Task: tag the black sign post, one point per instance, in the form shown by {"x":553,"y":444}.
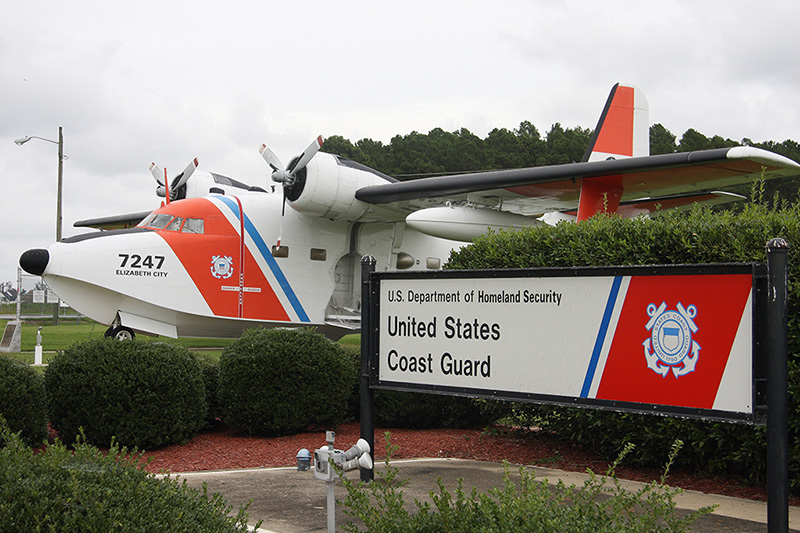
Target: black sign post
{"x":777,"y":389}
{"x":367,"y":413}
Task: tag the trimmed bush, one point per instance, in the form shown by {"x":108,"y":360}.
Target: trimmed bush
{"x":22,"y":400}
{"x":697,"y":236}
{"x":279,"y":382}
{"x":90,"y":491}
{"x":397,"y":409}
{"x":146,"y":394}
{"x":209,"y":369}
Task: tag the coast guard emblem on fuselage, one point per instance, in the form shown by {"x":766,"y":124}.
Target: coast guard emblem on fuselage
{"x":671,"y":339}
{"x":222,"y":266}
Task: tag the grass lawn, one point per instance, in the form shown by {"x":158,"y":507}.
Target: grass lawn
{"x":68,"y":332}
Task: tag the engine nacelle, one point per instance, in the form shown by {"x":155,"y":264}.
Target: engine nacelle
{"x":465,"y":223}
{"x":327,"y":187}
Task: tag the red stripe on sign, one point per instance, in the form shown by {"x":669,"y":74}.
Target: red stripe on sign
{"x":653,"y":333}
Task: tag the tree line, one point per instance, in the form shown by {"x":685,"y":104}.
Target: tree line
{"x":439,"y":152}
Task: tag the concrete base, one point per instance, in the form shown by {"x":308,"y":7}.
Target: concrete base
{"x":12,"y":337}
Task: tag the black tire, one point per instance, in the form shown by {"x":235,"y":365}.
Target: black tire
{"x":120,"y":333}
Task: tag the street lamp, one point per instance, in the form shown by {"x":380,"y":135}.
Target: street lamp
{"x":60,"y":143}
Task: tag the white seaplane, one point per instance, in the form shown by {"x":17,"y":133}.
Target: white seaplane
{"x":220,"y":256}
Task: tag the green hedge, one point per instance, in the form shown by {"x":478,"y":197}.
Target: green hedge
{"x":209,"y":369}
{"x":145,"y":394}
{"x":86,"y":490}
{"x":22,"y":400}
{"x":279,"y":381}
{"x":397,"y":409}
{"x":697,"y":236}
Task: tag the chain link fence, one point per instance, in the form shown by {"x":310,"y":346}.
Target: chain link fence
{"x":35,"y":299}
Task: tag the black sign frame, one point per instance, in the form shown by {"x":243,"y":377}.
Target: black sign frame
{"x":758,"y":271}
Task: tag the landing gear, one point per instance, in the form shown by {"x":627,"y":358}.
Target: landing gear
{"x":121,"y":333}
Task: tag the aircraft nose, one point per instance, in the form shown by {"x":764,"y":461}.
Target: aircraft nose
{"x":34,"y":261}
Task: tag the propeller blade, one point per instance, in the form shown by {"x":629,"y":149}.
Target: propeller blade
{"x":286,"y":177}
{"x":270,"y":157}
{"x":157,"y":173}
{"x":166,"y":184}
{"x":280,"y":226}
{"x":306,"y":156}
{"x":185,"y":175}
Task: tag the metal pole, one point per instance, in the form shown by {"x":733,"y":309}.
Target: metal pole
{"x":331,"y":487}
{"x":57,"y":310}
{"x":367,"y":413}
{"x":19,"y":294}
{"x":60,"y":181}
{"x":777,"y":388}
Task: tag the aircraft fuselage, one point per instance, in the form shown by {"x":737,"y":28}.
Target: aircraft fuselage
{"x":210,"y":267}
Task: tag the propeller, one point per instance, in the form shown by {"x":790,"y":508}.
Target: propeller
{"x":288,"y":176}
{"x":177,"y":182}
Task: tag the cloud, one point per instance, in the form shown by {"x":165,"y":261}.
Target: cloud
{"x":149,"y":81}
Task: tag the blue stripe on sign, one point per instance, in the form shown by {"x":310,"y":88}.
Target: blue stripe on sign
{"x":267,"y":255}
{"x":601,"y":336}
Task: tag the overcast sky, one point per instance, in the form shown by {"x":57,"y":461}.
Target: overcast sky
{"x":166,"y":81}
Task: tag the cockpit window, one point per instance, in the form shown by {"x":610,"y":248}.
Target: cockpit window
{"x":193,"y":225}
{"x":175,"y":225}
{"x":146,"y":221}
{"x":160,"y":221}
{"x":170,"y":223}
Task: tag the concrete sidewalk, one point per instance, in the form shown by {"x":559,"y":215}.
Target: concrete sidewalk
{"x":289,"y":501}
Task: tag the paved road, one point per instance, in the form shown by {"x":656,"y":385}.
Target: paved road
{"x":289,"y":501}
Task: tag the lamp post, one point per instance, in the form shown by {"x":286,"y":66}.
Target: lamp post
{"x":60,"y":143}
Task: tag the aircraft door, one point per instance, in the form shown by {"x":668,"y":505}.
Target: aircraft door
{"x":344,"y":307}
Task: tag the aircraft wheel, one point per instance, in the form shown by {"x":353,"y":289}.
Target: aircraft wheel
{"x":121,"y":333}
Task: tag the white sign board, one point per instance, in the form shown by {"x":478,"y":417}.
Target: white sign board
{"x":680,"y":342}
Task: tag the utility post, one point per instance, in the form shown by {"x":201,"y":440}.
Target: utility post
{"x":61,"y":157}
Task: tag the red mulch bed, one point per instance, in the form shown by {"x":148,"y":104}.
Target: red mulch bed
{"x":223,"y":448}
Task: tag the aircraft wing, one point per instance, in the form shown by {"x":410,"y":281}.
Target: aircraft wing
{"x":113,"y":222}
{"x":538,"y":190}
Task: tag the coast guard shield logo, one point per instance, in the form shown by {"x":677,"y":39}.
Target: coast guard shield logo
{"x":671,"y":340}
{"x":222,"y":266}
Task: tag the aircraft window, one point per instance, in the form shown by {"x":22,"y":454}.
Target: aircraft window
{"x":319,"y":254}
{"x":225,"y":180}
{"x":160,"y":221}
{"x":146,"y":221}
{"x":193,"y":225}
{"x":175,"y":225}
{"x":283,"y":251}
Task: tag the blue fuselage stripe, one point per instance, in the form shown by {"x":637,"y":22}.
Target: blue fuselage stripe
{"x":267,"y":255}
{"x":601,"y":336}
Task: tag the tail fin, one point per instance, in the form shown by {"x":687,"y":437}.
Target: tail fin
{"x":622,"y":131}
{"x":624,"y":127}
